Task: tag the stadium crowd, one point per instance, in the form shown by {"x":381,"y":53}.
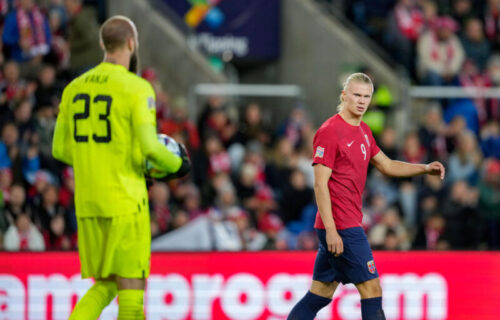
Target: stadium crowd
{"x":247,"y":172}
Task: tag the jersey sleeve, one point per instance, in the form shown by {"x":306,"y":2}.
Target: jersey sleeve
{"x":325,"y":147}
{"x":374,"y":147}
{"x":144,"y":124}
{"x":61,"y":142}
{"x":143,"y":105}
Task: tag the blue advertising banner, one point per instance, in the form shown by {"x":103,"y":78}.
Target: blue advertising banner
{"x":249,"y":30}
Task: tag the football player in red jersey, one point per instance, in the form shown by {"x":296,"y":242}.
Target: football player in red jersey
{"x":343,"y":148}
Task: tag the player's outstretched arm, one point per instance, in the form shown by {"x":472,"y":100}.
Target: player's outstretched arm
{"x":153,"y":150}
{"x":396,"y":168}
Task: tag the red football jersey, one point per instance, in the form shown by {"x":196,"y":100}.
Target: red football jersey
{"x":347,"y":150}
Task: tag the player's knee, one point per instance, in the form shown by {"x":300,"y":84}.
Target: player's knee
{"x":323,"y":289}
{"x":373,"y":289}
{"x":130,"y":283}
{"x":370,"y":289}
{"x":376,"y":290}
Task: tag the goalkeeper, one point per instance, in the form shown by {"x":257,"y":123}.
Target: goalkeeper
{"x":105,"y":128}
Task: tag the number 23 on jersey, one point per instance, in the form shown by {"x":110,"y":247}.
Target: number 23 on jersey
{"x":102,"y":106}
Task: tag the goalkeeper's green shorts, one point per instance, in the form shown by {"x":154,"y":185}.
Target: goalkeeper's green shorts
{"x":115,"y":246}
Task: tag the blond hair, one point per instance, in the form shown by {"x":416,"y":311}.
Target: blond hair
{"x":356,"y":77}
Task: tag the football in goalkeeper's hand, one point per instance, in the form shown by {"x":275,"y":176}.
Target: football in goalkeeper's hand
{"x":177,"y":149}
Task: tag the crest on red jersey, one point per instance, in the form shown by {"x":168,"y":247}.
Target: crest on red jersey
{"x":371,"y":266}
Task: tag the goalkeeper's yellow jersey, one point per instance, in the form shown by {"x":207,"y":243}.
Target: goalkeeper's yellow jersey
{"x":95,"y":134}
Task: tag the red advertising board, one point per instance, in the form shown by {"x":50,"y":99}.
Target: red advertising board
{"x":261,"y":285}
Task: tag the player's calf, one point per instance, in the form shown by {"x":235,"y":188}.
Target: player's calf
{"x":131,"y":298}
{"x":308,"y":307}
{"x":371,"y":309}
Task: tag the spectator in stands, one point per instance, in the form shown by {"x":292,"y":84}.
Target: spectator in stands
{"x":431,"y":235}
{"x":159,"y":196}
{"x":491,"y":19}
{"x":489,"y":202}
{"x":212,"y":104}
{"x":246,"y":185}
{"x":48,"y":91}
{"x":470,"y":76}
{"x":432,"y":134}
{"x":248,"y":237}
{"x":430,"y":12}
{"x":67,"y":197}
{"x":254,"y":154}
{"x":456,"y":125}
{"x":48,"y":208}
{"x":13,"y":88}
{"x":304,"y":157}
{"x":16,"y":205}
{"x":211,"y":160}
{"x":67,"y":189}
{"x":296,"y":196}
{"x":431,"y":190}
{"x":23,"y":235}
{"x":192,"y":202}
{"x":59,"y":55}
{"x":83,"y":31}
{"x":374,"y":209}
{"x":390,"y":224}
{"x":281,"y":161}
{"x":178,"y":123}
{"x":44,"y":126}
{"x":23,"y":119}
{"x":391,"y":241}
{"x":404,"y":25}
{"x":439,"y":53}
{"x":56,"y":237}
{"x":219,"y":123}
{"x":41,"y":181}
{"x":26,"y":35}
{"x":5,"y":183}
{"x":252,"y":126}
{"x":463,"y":224}
{"x":476,"y":46}
{"x":292,"y":128}
{"x":10,"y":139}
{"x":266,"y":220}
{"x":226,"y":199}
{"x":180,"y":218}
{"x":6,"y":145}
{"x":387,"y":141}
{"x":465,"y":161}
{"x":490,"y":139}
{"x":413,"y":151}
{"x":379,"y":184}
{"x":493,"y":73}
{"x":463,"y":11}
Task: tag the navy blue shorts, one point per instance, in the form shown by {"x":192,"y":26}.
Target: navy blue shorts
{"x":354,"y":265}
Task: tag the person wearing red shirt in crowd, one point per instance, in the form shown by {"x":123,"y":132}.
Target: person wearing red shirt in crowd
{"x":178,"y":124}
{"x":343,"y":148}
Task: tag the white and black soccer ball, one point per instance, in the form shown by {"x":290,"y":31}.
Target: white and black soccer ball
{"x":173,"y":146}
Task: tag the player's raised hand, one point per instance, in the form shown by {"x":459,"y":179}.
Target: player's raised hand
{"x":334,"y":242}
{"x":435,"y":168}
